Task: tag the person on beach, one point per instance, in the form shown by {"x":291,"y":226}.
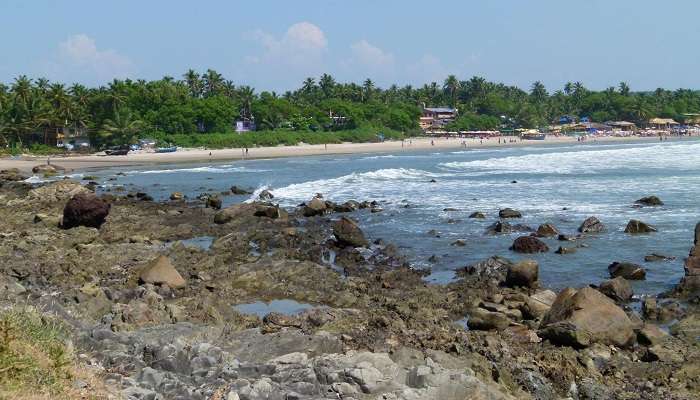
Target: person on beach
{"x":432,"y":143}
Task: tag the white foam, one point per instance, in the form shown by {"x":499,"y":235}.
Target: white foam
{"x":222,"y":169}
{"x":677,"y":156}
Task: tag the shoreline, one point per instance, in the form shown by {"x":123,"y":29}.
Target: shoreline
{"x":93,"y":161}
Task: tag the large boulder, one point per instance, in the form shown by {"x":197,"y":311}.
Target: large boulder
{"x":618,"y":289}
{"x":239,"y":191}
{"x":477,"y":215}
{"x":579,"y":318}
{"x":523,"y":273}
{"x":316,"y":206}
{"x":650,"y":201}
{"x":509,"y":213}
{"x":12,"y":175}
{"x":537,"y":305}
{"x":484,"y":320}
{"x":48,"y":169}
{"x":529,"y":245}
{"x":348,"y":233}
{"x":57,"y":191}
{"x":233,"y":212}
{"x":591,"y":225}
{"x":161,"y":271}
{"x":627,"y":270}
{"x":85,"y":209}
{"x":547,"y":230}
{"x":636,"y":226}
{"x":213,"y":202}
{"x":266,"y":195}
{"x":270,"y":211}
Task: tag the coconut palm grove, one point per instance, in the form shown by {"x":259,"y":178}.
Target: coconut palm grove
{"x":201,"y":109}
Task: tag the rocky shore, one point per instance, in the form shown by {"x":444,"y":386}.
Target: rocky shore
{"x":151,"y":296}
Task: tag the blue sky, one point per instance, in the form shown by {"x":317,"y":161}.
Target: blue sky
{"x":274,"y":45}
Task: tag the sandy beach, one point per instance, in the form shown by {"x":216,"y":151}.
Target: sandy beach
{"x":96,"y":161}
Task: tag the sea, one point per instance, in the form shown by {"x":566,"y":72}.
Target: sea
{"x":421,"y":191}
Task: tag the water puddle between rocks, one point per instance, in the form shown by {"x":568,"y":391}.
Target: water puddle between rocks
{"x":463,"y":323}
{"x":202,"y":242}
{"x":284,"y":306}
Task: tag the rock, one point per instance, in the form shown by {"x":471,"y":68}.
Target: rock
{"x":266,"y":195}
{"x":477,"y":214}
{"x":509,"y":213}
{"x":85,"y":209}
{"x":565,"y":250}
{"x":376,"y":209}
{"x":48,"y":169}
{"x":46,"y":219}
{"x":524,"y":273}
{"x":348,"y":206}
{"x":650,"y":335}
{"x":161,"y":271}
{"x":635,"y":226}
{"x":566,"y":238}
{"x":57,"y":191}
{"x":348,"y":233}
{"x":696,"y":241}
{"x":315,"y":207}
{"x":618,"y":289}
{"x":175,"y":196}
{"x":459,"y":243}
{"x":662,"y":352}
{"x":12,"y":175}
{"x":547,"y":230}
{"x":650,"y":201}
{"x":581,"y":317}
{"x":239,"y":191}
{"x":270,"y":211}
{"x":591,"y":225}
{"x":653,"y":257}
{"x":538,"y":304}
{"x":529,"y":245}
{"x":627,"y":270}
{"x":233,"y":212}
{"x":213,"y":202}
{"x":483,"y":320}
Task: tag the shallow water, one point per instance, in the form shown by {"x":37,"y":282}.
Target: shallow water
{"x":261,"y":308}
{"x":587,"y":179}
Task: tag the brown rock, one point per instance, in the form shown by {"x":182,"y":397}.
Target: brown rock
{"x":591,"y":225}
{"x":483,"y":320}
{"x":547,"y":230}
{"x":581,"y":317}
{"x":627,"y":270}
{"x":161,"y":271}
{"x":634,"y":226}
{"x":477,"y":214}
{"x":348,"y":233}
{"x":538,"y":304}
{"x":650,"y":201}
{"x":85,"y":209}
{"x":524,"y":273}
{"x":509,"y":213}
{"x":529,"y":244}
{"x":315,"y":207}
{"x":650,"y":335}
{"x":618,"y":289}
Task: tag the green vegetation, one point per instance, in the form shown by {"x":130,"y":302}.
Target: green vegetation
{"x":200,"y":110}
{"x":35,"y":360}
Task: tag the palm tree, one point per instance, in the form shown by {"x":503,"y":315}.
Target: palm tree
{"x":368,"y":88}
{"x":538,"y":92}
{"x":327,"y":85}
{"x":193,"y":83}
{"x":451,"y":86}
{"x":624,"y":89}
{"x":121,"y":129}
{"x":568,"y":88}
{"x":246,"y":95}
{"x":213,"y":82}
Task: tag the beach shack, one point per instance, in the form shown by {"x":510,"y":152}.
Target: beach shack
{"x":662,"y":123}
{"x":623,"y":126}
{"x":435,"y":118}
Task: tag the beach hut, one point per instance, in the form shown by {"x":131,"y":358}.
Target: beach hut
{"x":662,"y":123}
{"x":624,"y":126}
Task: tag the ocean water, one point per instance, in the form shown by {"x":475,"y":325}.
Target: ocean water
{"x":561,"y":184}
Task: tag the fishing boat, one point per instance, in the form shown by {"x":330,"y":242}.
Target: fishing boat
{"x":117,"y":152}
{"x":170,"y":149}
{"x":533,"y":134}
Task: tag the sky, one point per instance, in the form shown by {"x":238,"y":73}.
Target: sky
{"x":275,"y":45}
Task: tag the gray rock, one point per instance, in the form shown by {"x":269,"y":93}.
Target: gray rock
{"x":591,"y":225}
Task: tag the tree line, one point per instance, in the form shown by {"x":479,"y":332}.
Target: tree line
{"x":208,"y":103}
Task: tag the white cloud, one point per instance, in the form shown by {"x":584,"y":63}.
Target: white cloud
{"x":370,"y":56}
{"x":301,"y":46}
{"x":79,"y":55}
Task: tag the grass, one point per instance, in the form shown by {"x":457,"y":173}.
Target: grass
{"x":35,"y":360}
